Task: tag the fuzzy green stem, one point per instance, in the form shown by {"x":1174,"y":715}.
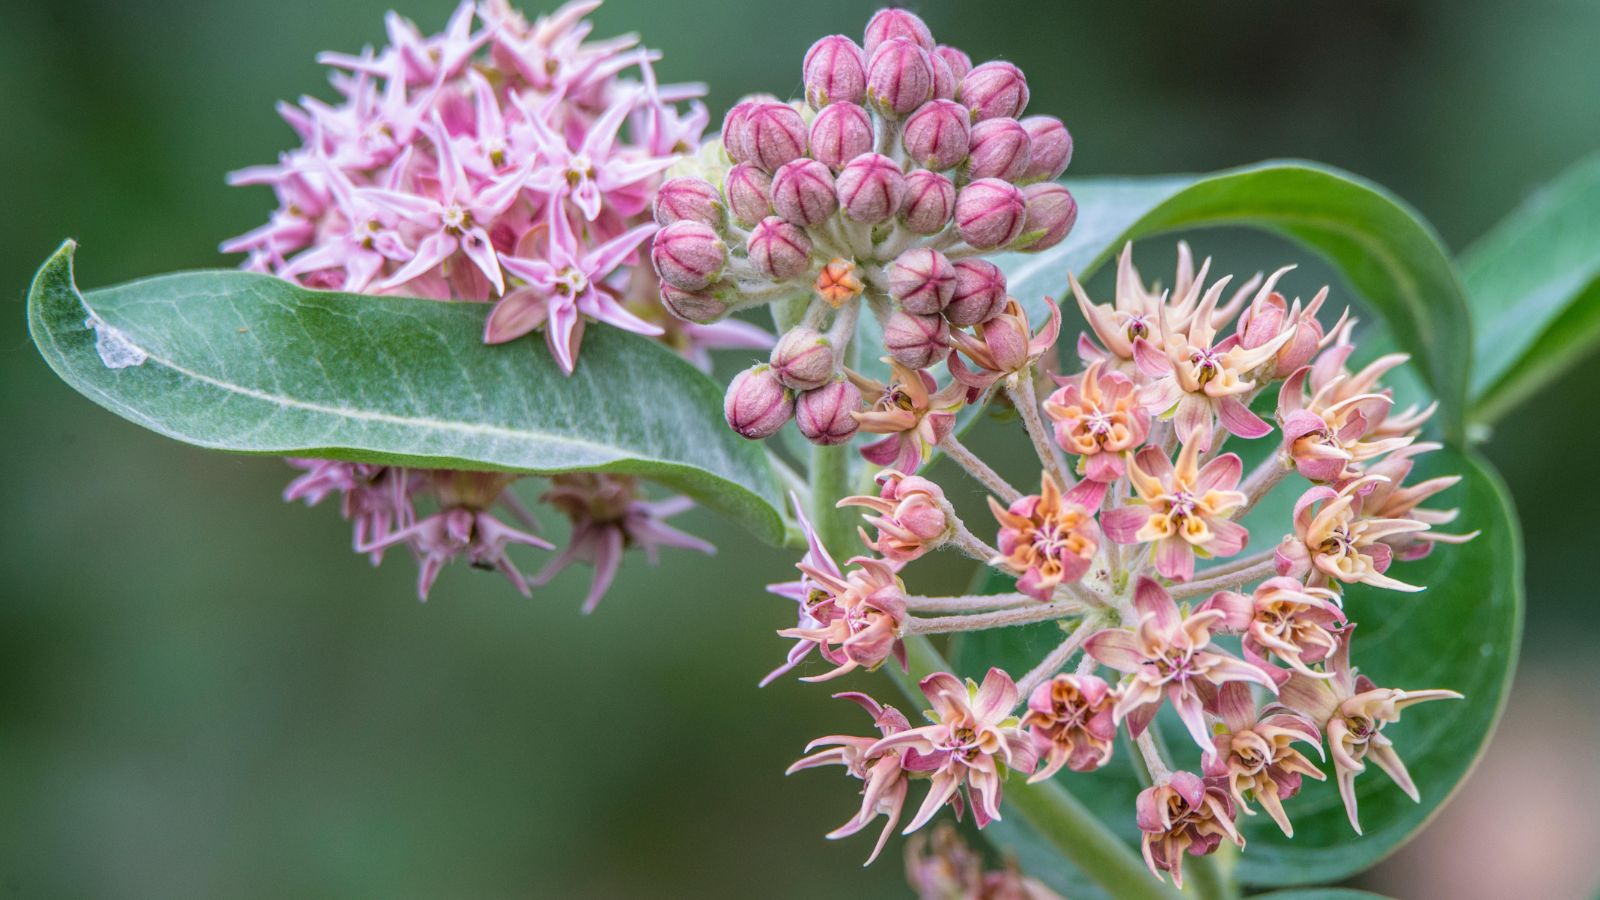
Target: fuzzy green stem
{"x":830,"y":482}
{"x":1055,"y":814}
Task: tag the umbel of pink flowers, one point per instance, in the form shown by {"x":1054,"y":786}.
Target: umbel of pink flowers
{"x":1133,"y":545}
{"x":505,"y":162}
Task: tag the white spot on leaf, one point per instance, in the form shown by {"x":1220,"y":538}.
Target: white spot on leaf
{"x":116,"y":351}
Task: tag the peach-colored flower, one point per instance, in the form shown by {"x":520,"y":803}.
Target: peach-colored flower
{"x":1097,"y":417}
{"x":912,"y":413}
{"x":1334,"y":539}
{"x":1255,"y":755}
{"x":947,"y":869}
{"x":912,"y":516}
{"x":1168,"y":655}
{"x":1181,"y":510}
{"x":1069,"y":720}
{"x":1283,"y":617}
{"x":1004,"y":346}
{"x":884,"y":789}
{"x":858,"y":625}
{"x":1353,"y":711}
{"x":1393,"y":499}
{"x":1134,"y":310}
{"x":1183,"y":815}
{"x":1045,"y":539}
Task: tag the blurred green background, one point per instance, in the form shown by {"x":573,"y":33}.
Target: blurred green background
{"x":204,"y":693}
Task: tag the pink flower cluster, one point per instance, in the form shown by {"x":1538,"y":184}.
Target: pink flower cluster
{"x":904,"y":165}
{"x":502,"y":161}
{"x":1134,"y":546}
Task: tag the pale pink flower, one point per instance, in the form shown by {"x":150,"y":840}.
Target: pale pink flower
{"x":1070,"y":722}
{"x":859,"y":623}
{"x":1393,"y":499}
{"x":1334,"y":538}
{"x":912,"y":413}
{"x":1098,"y":418}
{"x":1181,"y":510}
{"x":1045,"y":539}
{"x":1352,"y":712}
{"x":971,"y":736}
{"x":377,"y":499}
{"x":1255,"y":755}
{"x":881,"y":769}
{"x":912,"y":516}
{"x":1004,"y":346}
{"x":609,"y":516}
{"x":947,"y":869}
{"x":1168,"y":656}
{"x":1300,"y":625}
{"x":807,"y":593}
{"x":1183,"y":815}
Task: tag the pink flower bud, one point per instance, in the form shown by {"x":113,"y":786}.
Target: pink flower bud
{"x":688,"y":255}
{"x":757,"y":404}
{"x":1052,"y":148}
{"x":749,"y":192}
{"x":703,"y":307}
{"x":803,"y":359}
{"x":990,"y":213}
{"x":945,"y":82}
{"x":980,"y":293}
{"x":916,"y":341}
{"x":823,"y":415}
{"x":923,"y":280}
{"x":774,"y":133}
{"x":888,"y":24}
{"x":840,"y":133}
{"x":1007,"y":338}
{"x":1000,"y":149}
{"x":959,"y":62}
{"x":803,"y":192}
{"x":994,"y":89}
{"x":835,"y":72}
{"x":899,"y":78}
{"x":929,"y":203}
{"x":779,"y":250}
{"x":694,"y":199}
{"x":871,"y":188}
{"x":937,"y":135}
{"x":1051,"y":214}
{"x":733,"y":129}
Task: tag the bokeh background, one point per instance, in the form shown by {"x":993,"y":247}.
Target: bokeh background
{"x":204,"y":693}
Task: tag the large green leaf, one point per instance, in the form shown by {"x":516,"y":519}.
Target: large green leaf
{"x":1534,"y":287}
{"x":252,"y":364}
{"x":1461,"y":633}
{"x":1383,"y":248}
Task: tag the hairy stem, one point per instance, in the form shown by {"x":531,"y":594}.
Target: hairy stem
{"x":964,"y":540}
{"x":1056,"y":815}
{"x":977,"y":468}
{"x":1026,"y":399}
{"x":968,"y":602}
{"x":1027,"y":615}
{"x":1262,"y":480}
{"x":1058,"y":658}
{"x":1235,"y":579}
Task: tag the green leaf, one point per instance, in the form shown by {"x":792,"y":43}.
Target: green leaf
{"x":253,"y":364}
{"x":1461,"y":633}
{"x":1384,"y":249}
{"x":1534,"y":288}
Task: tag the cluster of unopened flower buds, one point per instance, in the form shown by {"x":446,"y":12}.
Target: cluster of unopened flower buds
{"x":501,"y":161}
{"x":904,"y":165}
{"x":1133,"y":545}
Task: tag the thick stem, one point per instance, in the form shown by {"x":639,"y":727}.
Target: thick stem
{"x":1040,"y":612}
{"x":977,"y":468}
{"x":970,"y":544}
{"x":1236,"y":579}
{"x":1262,"y":480}
{"x":968,"y":603}
{"x":1056,"y":815}
{"x":830,"y":481}
{"x":1026,"y":399}
{"x":1058,"y":658}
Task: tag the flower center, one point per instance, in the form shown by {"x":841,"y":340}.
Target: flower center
{"x":456,"y":219}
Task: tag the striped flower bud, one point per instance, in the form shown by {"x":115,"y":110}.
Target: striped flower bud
{"x":803,"y":359}
{"x":1052,"y":148}
{"x":990,"y":213}
{"x":871,"y":188}
{"x":1051,"y":213}
{"x":774,"y":133}
{"x":994,"y":89}
{"x":959,"y":62}
{"x":929,"y":202}
{"x":899,"y":78}
{"x":694,"y":199}
{"x":749,"y":193}
{"x":688,"y":255}
{"x":840,"y":133}
{"x":888,"y":24}
{"x":702,"y":307}
{"x":1000,"y":149}
{"x":779,"y":250}
{"x":937,"y":135}
{"x":916,"y":341}
{"x":923,"y":281}
{"x":824,"y":414}
{"x":757,"y":404}
{"x":803,"y":192}
{"x":980,"y":293}
{"x":835,"y":71}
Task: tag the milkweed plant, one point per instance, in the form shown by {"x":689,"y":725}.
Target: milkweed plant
{"x":508,"y":253}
